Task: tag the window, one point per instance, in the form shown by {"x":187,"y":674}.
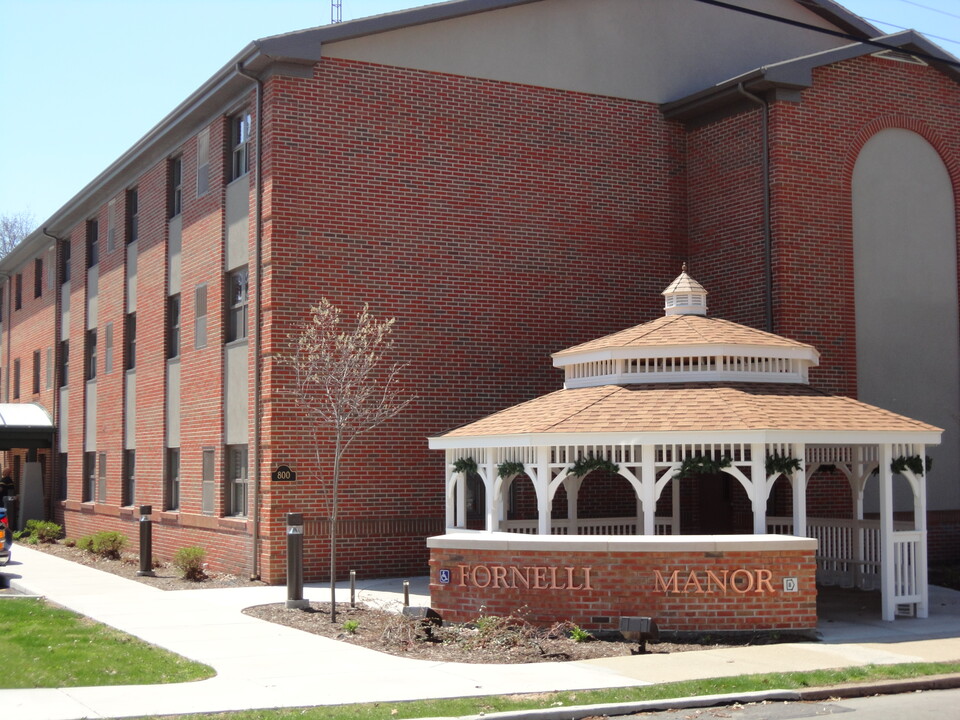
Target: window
{"x":207,"y":484}
{"x":37,"y":277}
{"x":237,"y":479}
{"x":64,"y":362}
{"x":108,"y":348}
{"x":102,"y":479}
{"x":173,"y":326}
{"x":93,"y":240}
{"x":90,"y":363}
{"x":239,"y":145}
{"x":111,"y":225}
{"x":49,"y":368}
{"x":172,"y":479}
{"x":89,"y":476}
{"x":129,"y":476}
{"x":36,"y":372}
{"x":176,"y":186}
{"x":203,"y":162}
{"x":18,"y":291}
{"x":16,"y":379}
{"x":237,"y":305}
{"x":64,"y":263}
{"x":200,"y":316}
{"x":130,"y":342}
{"x":133,"y":216}
{"x":62,"y":476}
{"x":51,"y":266}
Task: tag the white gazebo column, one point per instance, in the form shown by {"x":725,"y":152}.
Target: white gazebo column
{"x":799,"y":482}
{"x":489,"y":478}
{"x":758,"y":487}
{"x":451,"y":500}
{"x":461,"y":500}
{"x":571,"y":485}
{"x":648,"y":484}
{"x":887,"y":587}
{"x":542,"y":484}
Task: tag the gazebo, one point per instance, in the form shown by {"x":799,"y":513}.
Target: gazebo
{"x":677,"y":407}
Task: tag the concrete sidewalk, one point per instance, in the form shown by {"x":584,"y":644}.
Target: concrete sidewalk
{"x":261,"y":665}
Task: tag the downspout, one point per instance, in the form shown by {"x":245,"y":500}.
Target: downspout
{"x":57,"y":320}
{"x":257,"y":316}
{"x":767,"y":233}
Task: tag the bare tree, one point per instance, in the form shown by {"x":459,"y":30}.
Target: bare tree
{"x":346,"y":386}
{"x":14,"y":228}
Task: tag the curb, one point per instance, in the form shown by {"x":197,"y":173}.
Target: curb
{"x":578,"y":712}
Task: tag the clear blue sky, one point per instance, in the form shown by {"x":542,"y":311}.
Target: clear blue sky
{"x":83,"y":80}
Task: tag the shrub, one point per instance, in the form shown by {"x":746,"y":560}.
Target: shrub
{"x":350,"y":626}
{"x":106,"y":544}
{"x":189,"y":561}
{"x":43,"y":531}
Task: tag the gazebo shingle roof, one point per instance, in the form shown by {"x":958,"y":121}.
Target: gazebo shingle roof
{"x":694,"y":407}
{"x":680,"y":330}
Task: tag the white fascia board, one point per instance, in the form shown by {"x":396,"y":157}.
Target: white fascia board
{"x":706,"y":350}
{"x":701,"y":437}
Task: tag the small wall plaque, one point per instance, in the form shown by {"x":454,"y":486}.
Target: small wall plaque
{"x":283,"y":473}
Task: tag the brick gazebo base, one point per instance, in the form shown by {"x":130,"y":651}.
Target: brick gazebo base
{"x":685,"y":583}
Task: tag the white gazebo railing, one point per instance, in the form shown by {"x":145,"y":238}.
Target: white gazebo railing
{"x":589,"y":526}
{"x":849,"y":554}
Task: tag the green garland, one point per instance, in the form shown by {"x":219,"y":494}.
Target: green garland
{"x":785,"y":464}
{"x":588,"y":464}
{"x":702,"y":465}
{"x":509,"y":468}
{"x":465,"y":465}
{"x":913,"y":463}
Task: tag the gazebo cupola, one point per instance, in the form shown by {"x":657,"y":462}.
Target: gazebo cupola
{"x":684,"y":345}
{"x":685,"y":296}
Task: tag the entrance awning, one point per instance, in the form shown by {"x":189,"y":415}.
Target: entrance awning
{"x":25,"y":426}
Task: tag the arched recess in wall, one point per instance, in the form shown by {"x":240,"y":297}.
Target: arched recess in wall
{"x":905,"y":287}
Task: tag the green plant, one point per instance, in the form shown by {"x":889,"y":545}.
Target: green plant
{"x":106,"y":544}
{"x":702,"y":465}
{"x":578,"y":634}
{"x":785,"y":464}
{"x":41,"y":531}
{"x":350,"y":626}
{"x":509,"y":468}
{"x":69,"y":542}
{"x":465,"y":465}
{"x":189,"y":561}
{"x":913,"y":463}
{"x":588,"y":464}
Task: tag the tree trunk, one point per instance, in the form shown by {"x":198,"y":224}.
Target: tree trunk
{"x":333,"y":529}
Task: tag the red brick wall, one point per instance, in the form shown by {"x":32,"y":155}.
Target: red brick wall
{"x":497,"y":222}
{"x":625,"y":583}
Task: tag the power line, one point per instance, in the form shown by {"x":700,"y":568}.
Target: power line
{"x":834,"y":33}
{"x":931,"y":9}
{"x":900,"y":27}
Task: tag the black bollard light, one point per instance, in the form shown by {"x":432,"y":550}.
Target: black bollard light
{"x":295,"y":599}
{"x":146,"y":542}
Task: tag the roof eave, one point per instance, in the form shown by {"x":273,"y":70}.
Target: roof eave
{"x":785,"y":80}
{"x":809,"y":437}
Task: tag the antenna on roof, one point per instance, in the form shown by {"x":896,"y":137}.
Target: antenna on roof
{"x":336,"y":11}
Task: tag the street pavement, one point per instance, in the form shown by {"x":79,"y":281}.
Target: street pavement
{"x":263,"y":665}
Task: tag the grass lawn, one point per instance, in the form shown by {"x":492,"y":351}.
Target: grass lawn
{"x":49,"y":647}
{"x":477,"y":705}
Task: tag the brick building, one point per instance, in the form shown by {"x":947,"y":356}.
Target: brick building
{"x":507,"y":178}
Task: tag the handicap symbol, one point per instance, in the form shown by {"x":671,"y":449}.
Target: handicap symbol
{"x":444,"y":576}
